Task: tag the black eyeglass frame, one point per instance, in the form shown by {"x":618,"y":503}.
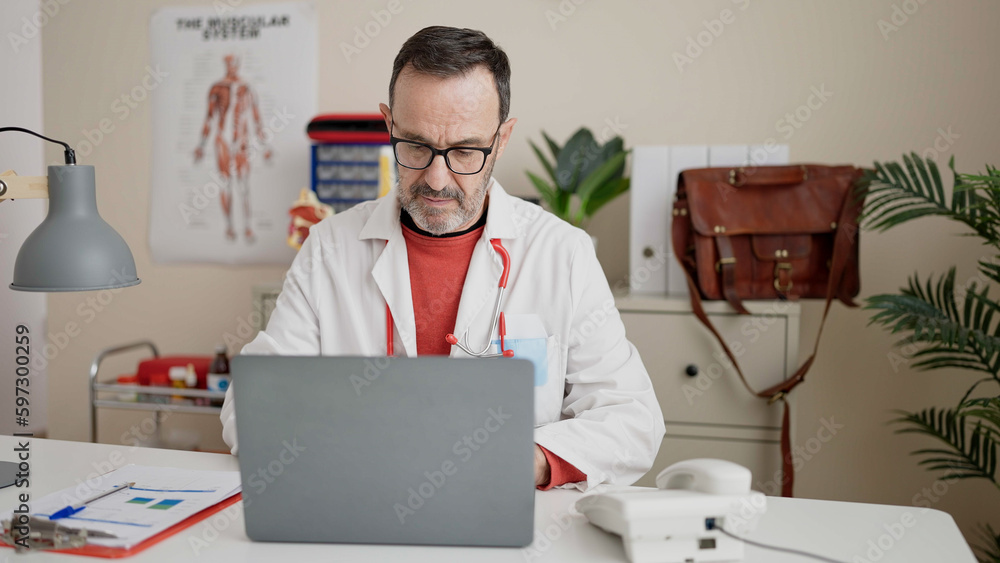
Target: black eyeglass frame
{"x":487,"y":151}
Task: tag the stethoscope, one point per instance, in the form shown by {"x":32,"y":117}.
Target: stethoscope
{"x":498,"y":319}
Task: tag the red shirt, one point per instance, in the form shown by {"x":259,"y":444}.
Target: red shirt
{"x":438,"y":266}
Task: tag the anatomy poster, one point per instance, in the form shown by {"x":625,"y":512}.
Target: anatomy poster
{"x":230,"y":153}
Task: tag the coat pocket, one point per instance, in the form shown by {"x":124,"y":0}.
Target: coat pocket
{"x":534,"y":349}
{"x":545,"y":355}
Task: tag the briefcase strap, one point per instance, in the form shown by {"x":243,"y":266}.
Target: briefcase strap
{"x":727,"y":271}
{"x":838,"y":264}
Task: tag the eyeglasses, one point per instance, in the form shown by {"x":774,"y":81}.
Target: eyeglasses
{"x":460,"y":160}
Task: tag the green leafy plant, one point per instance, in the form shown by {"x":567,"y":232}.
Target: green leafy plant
{"x":989,"y":543}
{"x":582,"y":175}
{"x":950,"y":326}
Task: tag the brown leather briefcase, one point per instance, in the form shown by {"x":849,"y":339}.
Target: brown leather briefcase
{"x":769,"y":232}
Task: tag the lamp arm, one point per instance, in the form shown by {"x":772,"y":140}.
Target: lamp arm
{"x":69,"y":153}
{"x":13,"y":186}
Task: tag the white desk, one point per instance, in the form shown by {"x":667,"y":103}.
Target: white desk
{"x":835,"y":529}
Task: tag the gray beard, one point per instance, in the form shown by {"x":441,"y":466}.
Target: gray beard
{"x":440,"y":221}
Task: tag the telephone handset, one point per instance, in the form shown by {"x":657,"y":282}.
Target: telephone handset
{"x":709,"y":476}
{"x":679,"y":521}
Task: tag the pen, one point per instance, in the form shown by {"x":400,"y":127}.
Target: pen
{"x":73,"y":509}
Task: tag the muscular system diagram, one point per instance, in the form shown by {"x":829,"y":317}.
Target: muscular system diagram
{"x":232,"y":104}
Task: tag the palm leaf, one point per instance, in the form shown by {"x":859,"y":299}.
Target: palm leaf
{"x":987,"y":544}
{"x":927,"y":312}
{"x":970,"y":451}
{"x":901,"y":193}
{"x":922,"y":167}
{"x":983,"y":194}
{"x":987,"y":410}
{"x":890,"y":179}
{"x":945,"y":361}
{"x":991,"y":270}
{"x":948,"y":333}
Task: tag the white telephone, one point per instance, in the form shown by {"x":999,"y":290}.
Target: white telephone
{"x":679,"y":521}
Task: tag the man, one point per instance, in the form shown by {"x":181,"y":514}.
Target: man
{"x":425,"y":253}
{"x":232,"y":93}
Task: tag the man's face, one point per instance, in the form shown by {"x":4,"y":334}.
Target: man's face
{"x":446,"y":112}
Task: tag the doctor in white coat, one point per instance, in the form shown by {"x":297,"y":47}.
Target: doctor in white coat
{"x":594,"y":403}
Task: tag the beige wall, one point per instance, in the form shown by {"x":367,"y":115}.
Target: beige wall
{"x":606,"y":62}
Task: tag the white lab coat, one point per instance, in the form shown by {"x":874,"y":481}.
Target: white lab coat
{"x":596,"y":409}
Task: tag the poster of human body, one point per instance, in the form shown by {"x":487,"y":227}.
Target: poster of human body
{"x":230,"y":153}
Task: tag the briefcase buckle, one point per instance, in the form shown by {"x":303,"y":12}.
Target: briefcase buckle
{"x":778,"y":268}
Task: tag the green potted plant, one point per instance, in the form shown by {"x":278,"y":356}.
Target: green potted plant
{"x":582,"y":175}
{"x":948,"y":326}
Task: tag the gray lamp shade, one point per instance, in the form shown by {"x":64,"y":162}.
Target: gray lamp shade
{"x":73,"y":249}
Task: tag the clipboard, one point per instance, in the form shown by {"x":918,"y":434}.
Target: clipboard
{"x":166,"y":501}
{"x":118,"y":552}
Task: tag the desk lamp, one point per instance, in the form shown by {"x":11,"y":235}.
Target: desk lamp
{"x":73,"y":249}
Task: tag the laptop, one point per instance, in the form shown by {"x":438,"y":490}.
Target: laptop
{"x":8,"y":473}
{"x":429,"y":450}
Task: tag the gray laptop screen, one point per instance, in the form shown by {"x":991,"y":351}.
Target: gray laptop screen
{"x":375,"y":450}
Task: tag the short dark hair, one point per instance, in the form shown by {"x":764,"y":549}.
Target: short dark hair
{"x":449,"y":51}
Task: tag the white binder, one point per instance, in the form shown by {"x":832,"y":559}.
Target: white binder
{"x":649,"y":219}
{"x":728,"y":155}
